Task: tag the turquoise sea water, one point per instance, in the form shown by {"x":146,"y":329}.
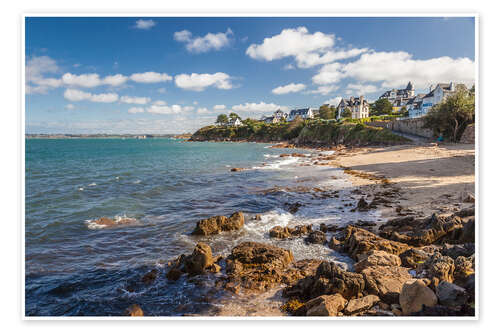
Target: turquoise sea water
{"x":167,"y":185}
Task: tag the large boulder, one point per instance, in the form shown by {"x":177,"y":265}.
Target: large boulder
{"x":279,"y":232}
{"x":438,"y":266}
{"x":325,"y":305}
{"x":377,"y":258}
{"x":455,"y":228}
{"x":199,"y":260}
{"x":385,"y":281}
{"x":450,"y":294}
{"x":358,"y":242}
{"x":134,"y":311}
{"x":329,"y":279}
{"x":361,"y":304}
{"x":415,"y":295}
{"x":413,"y":257}
{"x":316,"y":237}
{"x":216,"y":224}
{"x":256,"y":266}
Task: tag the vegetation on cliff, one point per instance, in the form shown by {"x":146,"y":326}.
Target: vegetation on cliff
{"x":316,"y":132}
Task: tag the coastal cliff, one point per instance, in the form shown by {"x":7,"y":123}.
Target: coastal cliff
{"x":302,"y":133}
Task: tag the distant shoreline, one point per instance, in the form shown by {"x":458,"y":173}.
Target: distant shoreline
{"x":105,"y":136}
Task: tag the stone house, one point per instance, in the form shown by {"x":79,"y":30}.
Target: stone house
{"x":359,"y":107}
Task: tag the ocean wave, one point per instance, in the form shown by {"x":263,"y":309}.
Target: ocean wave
{"x":278,"y":164}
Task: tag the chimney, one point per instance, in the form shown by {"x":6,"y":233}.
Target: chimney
{"x":452,"y":86}
{"x":361,"y":98}
{"x":430,"y":88}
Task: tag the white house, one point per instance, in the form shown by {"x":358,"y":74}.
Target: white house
{"x":235,"y":122}
{"x":303,"y":113}
{"x":399,"y":97}
{"x":359,"y":107}
{"x":436,"y":94}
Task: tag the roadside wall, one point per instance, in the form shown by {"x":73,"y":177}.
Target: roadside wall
{"x":411,"y":126}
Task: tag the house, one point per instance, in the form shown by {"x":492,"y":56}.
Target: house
{"x":271,"y":120}
{"x":436,"y":94}
{"x":399,"y":97}
{"x":280,"y":114}
{"x":316,"y":113}
{"x":303,"y":113}
{"x":359,"y":107}
{"x":235,"y":122}
{"x":414,"y":106}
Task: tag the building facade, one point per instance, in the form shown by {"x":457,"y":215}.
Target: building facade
{"x":303,"y":113}
{"x":436,"y":95}
{"x":399,"y":97}
{"x":358,"y":106}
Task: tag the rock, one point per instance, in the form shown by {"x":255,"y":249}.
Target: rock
{"x":468,"y":234}
{"x":444,"y":311}
{"x":325,"y":305}
{"x":415,"y":295}
{"x":456,"y":250}
{"x":377,"y":258}
{"x":279,"y":232}
{"x":361,"y":304}
{"x":216,"y":224}
{"x":149,"y":277}
{"x":293,"y":208}
{"x":257,"y":266}
{"x":301,"y":230}
{"x":174,"y":274}
{"x":257,"y":217}
{"x":464,"y":267}
{"x":214,"y":268}
{"x":236,"y":169}
{"x":293,"y":307}
{"x":335,"y":244}
{"x":386,"y":281}
{"x":316,"y":237}
{"x":362,"y":205}
{"x":199,"y":260}
{"x":467,"y":197}
{"x":450,"y":294}
{"x":413,"y":257}
{"x":358,"y":242}
{"x":323,"y":228}
{"x":438,"y":266}
{"x":234,"y":222}
{"x":134,"y":311}
{"x":434,"y":229}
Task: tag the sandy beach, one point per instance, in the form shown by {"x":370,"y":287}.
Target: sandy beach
{"x":428,"y":177}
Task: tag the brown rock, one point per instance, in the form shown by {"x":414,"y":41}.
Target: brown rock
{"x":361,"y":304}
{"x":377,"y":258}
{"x":464,"y":267}
{"x":359,"y":241}
{"x":413,"y":257}
{"x":279,"y":232}
{"x":316,"y":237}
{"x":234,"y":222}
{"x":149,"y":277}
{"x":199,"y":260}
{"x":450,"y":294}
{"x":438,"y":266}
{"x":386,"y":281}
{"x":236,"y":169}
{"x":216,"y":224}
{"x":174,"y":274}
{"x":325,"y":305}
{"x":414,"y":295}
{"x":134,"y":311}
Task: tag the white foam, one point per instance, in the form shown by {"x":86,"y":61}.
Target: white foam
{"x":269,"y":220}
{"x":81,"y":188}
{"x":92,"y":184}
{"x":278,"y":164}
{"x":118,"y":220}
{"x":137,"y":181}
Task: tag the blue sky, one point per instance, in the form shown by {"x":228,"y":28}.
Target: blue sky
{"x":172,"y":75}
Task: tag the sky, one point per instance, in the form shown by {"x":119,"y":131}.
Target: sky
{"x":176,"y":74}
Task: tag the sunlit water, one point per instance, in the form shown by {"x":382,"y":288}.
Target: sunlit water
{"x":74,"y":268}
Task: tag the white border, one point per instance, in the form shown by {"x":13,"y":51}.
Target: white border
{"x":230,"y":13}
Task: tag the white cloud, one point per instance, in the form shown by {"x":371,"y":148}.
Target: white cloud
{"x":115,"y":80}
{"x":288,"y":67}
{"x":166,"y":109}
{"x":144,"y":24}
{"x":150,"y":77}
{"x":333,"y":101}
{"x":328,"y":74}
{"x":69,"y":107}
{"x":83,"y":80}
{"x":308,"y":49}
{"x":75,"y":95}
{"x":135,"y":100}
{"x":289,"y":88}
{"x":36,"y":69}
{"x":258,"y":107}
{"x":202,"y":110}
{"x":199,"y":82}
{"x":159,"y":102}
{"x":395,"y":69}
{"x":324,"y":90}
{"x":361,"y":89}
{"x":209,"y":42}
{"x":136,"y":109}
{"x":219,"y":107}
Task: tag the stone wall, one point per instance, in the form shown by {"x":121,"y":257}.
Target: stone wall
{"x":411,"y":126}
{"x":469,"y":134}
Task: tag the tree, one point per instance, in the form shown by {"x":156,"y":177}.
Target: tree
{"x":233,"y":115}
{"x":221,"y":119}
{"x":404,"y":112}
{"x":451,"y":116}
{"x":381,"y":106}
{"x":347,"y":113}
{"x":326,"y":112}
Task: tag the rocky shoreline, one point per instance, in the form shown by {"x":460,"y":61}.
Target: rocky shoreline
{"x":410,"y":265}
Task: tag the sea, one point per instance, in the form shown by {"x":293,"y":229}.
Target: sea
{"x":75,"y":267}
